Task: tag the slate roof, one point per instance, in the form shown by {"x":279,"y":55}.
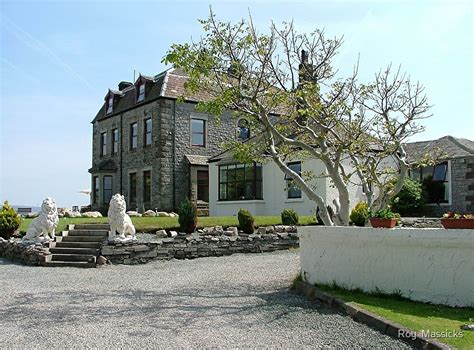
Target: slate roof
{"x":452,"y":146}
{"x":104,"y":166}
{"x":196,"y":160}
{"x":168,"y":84}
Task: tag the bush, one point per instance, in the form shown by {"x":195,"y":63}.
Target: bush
{"x":410,"y":200}
{"x":246,"y":221}
{"x":385,"y":213}
{"x":9,"y":221}
{"x":289,"y":217}
{"x":360,"y":214}
{"x":187,"y":216}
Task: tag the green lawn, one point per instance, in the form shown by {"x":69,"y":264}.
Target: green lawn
{"x":414,"y":315}
{"x":151,"y":224}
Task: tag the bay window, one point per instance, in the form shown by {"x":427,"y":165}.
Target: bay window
{"x":240,"y":182}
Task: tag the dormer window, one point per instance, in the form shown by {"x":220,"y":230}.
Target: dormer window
{"x":110,"y":104}
{"x":243,"y":130}
{"x":141,"y":92}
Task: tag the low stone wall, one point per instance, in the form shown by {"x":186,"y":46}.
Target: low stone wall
{"x":421,"y":222}
{"x":14,"y":249}
{"x":429,"y":265}
{"x":196,"y":246}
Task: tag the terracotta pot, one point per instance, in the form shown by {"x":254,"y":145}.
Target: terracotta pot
{"x":458,"y":223}
{"x":387,"y":223}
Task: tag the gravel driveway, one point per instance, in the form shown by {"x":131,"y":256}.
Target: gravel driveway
{"x":234,"y":301}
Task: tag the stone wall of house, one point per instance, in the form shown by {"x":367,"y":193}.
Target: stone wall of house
{"x":165,"y":157}
{"x":190,"y":247}
{"x":14,"y":249}
{"x":462,"y":184}
{"x":143,"y":158}
{"x":217,"y":132}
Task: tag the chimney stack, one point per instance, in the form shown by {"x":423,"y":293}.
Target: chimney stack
{"x":304,"y":69}
{"x":124,"y":84}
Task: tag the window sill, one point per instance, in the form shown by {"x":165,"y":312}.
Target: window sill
{"x":294,"y":200}
{"x":240,"y":201}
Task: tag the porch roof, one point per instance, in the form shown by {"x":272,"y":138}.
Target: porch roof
{"x":196,"y":159}
{"x":104,"y":166}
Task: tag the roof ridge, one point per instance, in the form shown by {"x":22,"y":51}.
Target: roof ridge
{"x":459,"y":144}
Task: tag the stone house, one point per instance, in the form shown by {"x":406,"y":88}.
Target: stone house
{"x":152,"y":148}
{"x":450,"y":183}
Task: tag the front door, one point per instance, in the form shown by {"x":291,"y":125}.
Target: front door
{"x":203,"y":185}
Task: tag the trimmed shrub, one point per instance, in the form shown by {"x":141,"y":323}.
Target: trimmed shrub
{"x":187,"y":216}
{"x":9,"y":221}
{"x":246,"y":221}
{"x":289,"y":217}
{"x":360,"y":214}
{"x":410,"y":200}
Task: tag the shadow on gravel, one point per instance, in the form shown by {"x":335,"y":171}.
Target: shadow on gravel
{"x":168,"y":311}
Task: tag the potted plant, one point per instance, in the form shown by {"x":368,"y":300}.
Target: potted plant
{"x":384,"y":218}
{"x":455,"y":220}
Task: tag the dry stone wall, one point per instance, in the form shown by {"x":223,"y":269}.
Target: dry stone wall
{"x":14,"y":249}
{"x":204,"y":244}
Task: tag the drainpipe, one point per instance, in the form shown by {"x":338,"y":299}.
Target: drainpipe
{"x":174,"y":154}
{"x":121,"y":150}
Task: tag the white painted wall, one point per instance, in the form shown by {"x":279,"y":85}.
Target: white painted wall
{"x":429,"y":265}
{"x":274,"y":193}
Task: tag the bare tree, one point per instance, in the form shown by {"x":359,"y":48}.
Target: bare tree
{"x":285,"y":84}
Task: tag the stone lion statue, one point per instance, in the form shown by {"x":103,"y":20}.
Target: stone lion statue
{"x":45,"y":224}
{"x":118,"y":219}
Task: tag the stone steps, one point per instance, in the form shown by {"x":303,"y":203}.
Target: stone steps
{"x":102,"y":233}
{"x":83,"y":238}
{"x":105,"y":227}
{"x":73,"y":257}
{"x":67,"y":250}
{"x":79,"y":246}
{"x":81,"y":264}
{"x":95,"y":245}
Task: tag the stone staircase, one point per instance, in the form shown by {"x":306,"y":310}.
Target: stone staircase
{"x":79,"y":246}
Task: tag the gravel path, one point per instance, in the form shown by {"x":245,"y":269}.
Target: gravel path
{"x":235,"y":301}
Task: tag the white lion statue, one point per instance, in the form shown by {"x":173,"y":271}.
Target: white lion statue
{"x":45,"y":224}
{"x":118,"y":219}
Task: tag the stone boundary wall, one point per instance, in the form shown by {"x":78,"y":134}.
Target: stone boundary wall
{"x":14,"y":249}
{"x":428,"y":265}
{"x":196,"y":246}
{"x":421,"y":222}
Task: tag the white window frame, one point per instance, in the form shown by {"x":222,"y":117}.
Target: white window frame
{"x":141,"y":92}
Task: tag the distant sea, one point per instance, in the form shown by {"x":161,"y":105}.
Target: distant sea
{"x":33,"y":209}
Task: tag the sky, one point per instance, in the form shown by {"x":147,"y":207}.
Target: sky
{"x":58,"y":58}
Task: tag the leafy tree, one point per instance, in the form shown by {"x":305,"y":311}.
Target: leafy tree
{"x":284,"y":83}
{"x":411,"y":198}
